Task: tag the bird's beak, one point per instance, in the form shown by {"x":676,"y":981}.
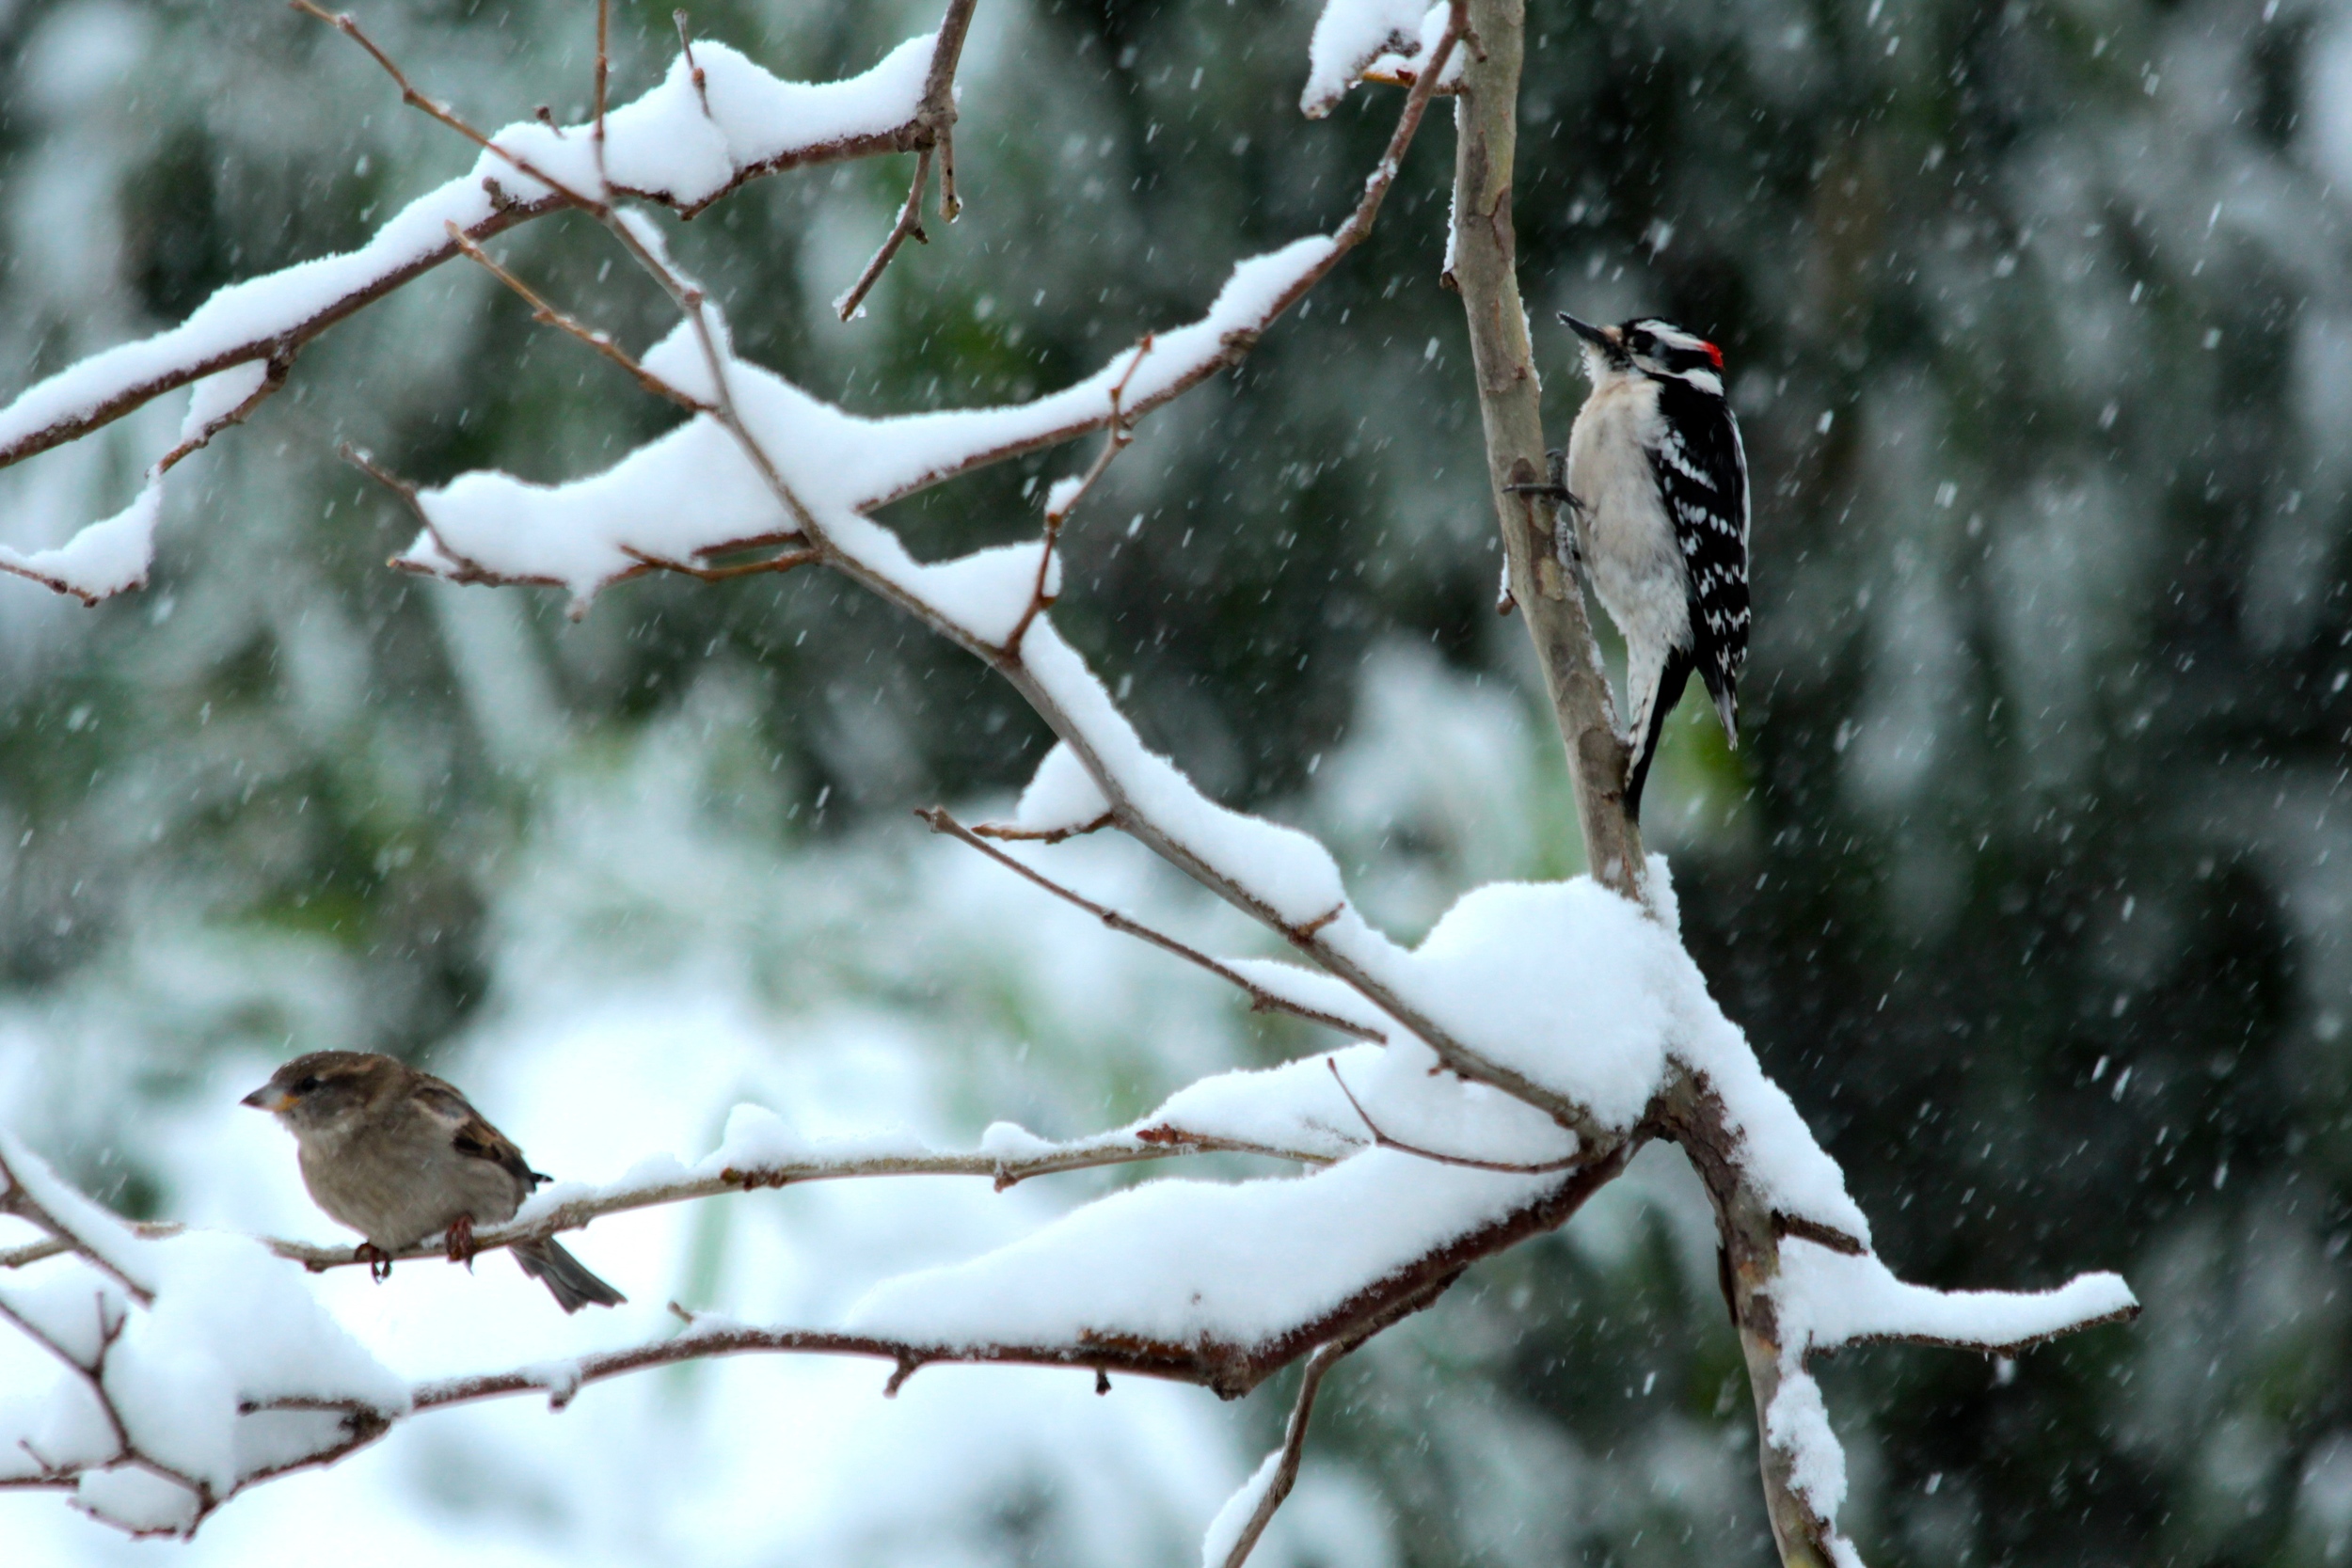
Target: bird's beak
{"x":1602,"y":337}
{"x":267,"y":1099}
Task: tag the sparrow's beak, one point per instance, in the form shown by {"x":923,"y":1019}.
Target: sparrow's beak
{"x":1602,"y":337}
{"x":267,"y":1099}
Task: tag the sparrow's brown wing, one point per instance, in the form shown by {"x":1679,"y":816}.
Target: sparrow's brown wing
{"x":470,"y":1133}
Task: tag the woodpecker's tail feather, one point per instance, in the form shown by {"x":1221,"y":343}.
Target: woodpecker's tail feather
{"x":1650,"y":723}
{"x":1727,"y":709}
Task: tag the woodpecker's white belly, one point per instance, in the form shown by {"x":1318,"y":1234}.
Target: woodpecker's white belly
{"x":1628,"y":543}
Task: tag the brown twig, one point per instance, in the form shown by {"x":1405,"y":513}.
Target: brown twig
{"x":274,"y":375}
{"x":1294,"y":1448}
{"x":1004,"y":833}
{"x":344,"y":23}
{"x":1117,"y":434}
{"x":910,"y":225}
{"x":547,"y":315}
{"x":788,"y":561}
{"x":604,"y":73}
{"x":1261,"y":999}
{"x":1382,"y":1139}
{"x":693,"y":71}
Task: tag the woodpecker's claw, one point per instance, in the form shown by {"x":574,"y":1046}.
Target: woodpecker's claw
{"x":379,"y":1263}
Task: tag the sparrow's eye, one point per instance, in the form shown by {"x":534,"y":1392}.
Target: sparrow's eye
{"x":306,"y":1084}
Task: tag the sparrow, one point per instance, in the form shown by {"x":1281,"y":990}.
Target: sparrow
{"x":398,"y":1155}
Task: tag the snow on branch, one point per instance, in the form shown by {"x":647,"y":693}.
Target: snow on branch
{"x":1357,"y":41}
{"x":1828,"y":1299}
{"x":190,"y":1366}
{"x":715,"y":122}
{"x":1825,"y":1299}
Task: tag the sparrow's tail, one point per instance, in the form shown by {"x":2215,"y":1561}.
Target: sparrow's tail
{"x":566,"y":1279}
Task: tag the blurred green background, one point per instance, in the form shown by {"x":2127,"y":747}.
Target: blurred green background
{"x":2031,"y":882}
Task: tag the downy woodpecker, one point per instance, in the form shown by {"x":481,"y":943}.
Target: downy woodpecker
{"x":1657,"y":485}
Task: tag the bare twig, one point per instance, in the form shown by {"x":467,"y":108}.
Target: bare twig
{"x":344,"y":23}
{"x":1293,"y":1446}
{"x":273,"y":377}
{"x":1381,"y":1138}
{"x":910,"y":225}
{"x":785,"y":562}
{"x":604,"y":73}
{"x":547,"y":315}
{"x":1007,"y":834}
{"x":1261,"y":999}
{"x":1117,"y":434}
{"x":693,"y":71}
{"x":936,"y":122}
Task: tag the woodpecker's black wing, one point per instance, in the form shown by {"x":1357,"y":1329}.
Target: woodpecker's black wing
{"x":1703,"y":479}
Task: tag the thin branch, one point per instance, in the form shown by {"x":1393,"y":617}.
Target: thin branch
{"x":1383,"y":1140}
{"x":468,"y":569}
{"x":1117,"y":434}
{"x":935,"y":122}
{"x":604,"y":73}
{"x":910,"y":225}
{"x":1006,"y":834}
{"x":785,"y":562}
{"x":15,"y":1199}
{"x":1261,"y":999}
{"x":693,"y":71}
{"x":273,"y":377}
{"x":1153,"y":1141}
{"x":344,"y":23}
{"x":547,"y":315}
{"x":1293,"y":1446}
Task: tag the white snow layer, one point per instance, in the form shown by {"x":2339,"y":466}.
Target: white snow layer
{"x":102,"y":559}
{"x":1062,"y":795}
{"x":1178,"y":1262}
{"x":1825,"y":1299}
{"x":1349,"y":36}
{"x":694,"y":491}
{"x":1224,"y":1531}
{"x":230,"y":1323}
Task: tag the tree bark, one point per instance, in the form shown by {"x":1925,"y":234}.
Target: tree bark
{"x":1482,"y":265}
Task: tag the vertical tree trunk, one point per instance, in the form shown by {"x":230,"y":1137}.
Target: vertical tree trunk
{"x":1483,"y":267}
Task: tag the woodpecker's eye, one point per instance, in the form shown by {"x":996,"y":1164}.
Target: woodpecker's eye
{"x":304,"y":1083}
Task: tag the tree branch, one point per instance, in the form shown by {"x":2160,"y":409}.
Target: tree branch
{"x":1293,"y":1446}
{"x":1261,"y":999}
{"x":910,"y":225}
{"x":1484,"y":269}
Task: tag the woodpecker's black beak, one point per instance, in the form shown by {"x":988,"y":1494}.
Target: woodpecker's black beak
{"x":1600,"y":338}
{"x":1588,"y":332}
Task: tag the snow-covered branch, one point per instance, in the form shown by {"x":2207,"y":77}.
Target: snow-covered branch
{"x":716,"y":123}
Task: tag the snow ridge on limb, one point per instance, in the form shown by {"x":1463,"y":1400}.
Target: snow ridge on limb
{"x":191,"y":1367}
{"x":715,"y":122}
{"x":1826,"y":1298}
{"x":661,"y":148}
{"x":1355,"y":39}
{"x":590,"y":533}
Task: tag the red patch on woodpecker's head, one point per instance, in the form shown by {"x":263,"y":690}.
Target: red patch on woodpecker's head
{"x":1713,"y":352}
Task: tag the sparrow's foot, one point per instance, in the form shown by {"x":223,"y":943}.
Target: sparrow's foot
{"x":379,"y":1263}
{"x":460,"y":1242}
